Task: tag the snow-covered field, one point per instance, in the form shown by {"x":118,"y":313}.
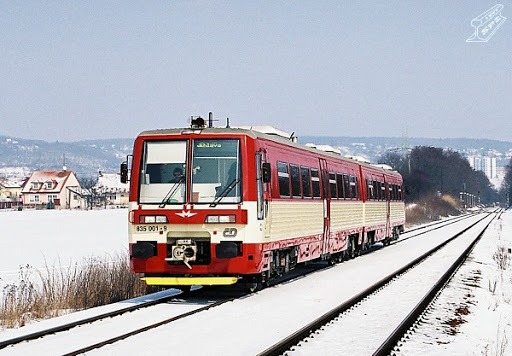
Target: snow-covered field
{"x":479,"y":299}
{"x":58,"y":238}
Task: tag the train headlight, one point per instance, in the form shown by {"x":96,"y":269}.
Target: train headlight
{"x":153,"y":219}
{"x":220,"y":219}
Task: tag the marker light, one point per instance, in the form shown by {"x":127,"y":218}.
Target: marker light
{"x":153,"y":219}
{"x":220,"y":219}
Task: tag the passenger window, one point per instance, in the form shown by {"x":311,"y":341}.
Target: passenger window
{"x":284,"y":179}
{"x":339,"y":181}
{"x":306,"y":181}
{"x":369,"y":189}
{"x":294,"y":172}
{"x":332,"y":185}
{"x":315,"y":182}
{"x":353,"y":188}
{"x":346,"y":186}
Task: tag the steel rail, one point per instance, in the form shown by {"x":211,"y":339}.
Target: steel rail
{"x":87,"y":320}
{"x":452,"y":219}
{"x":146,"y":328}
{"x":450,"y":222}
{"x":389,"y":344}
{"x":68,"y":326}
{"x":302,"y":333}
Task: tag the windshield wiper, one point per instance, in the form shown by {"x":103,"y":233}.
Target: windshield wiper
{"x":225,"y":192}
{"x":171,"y":192}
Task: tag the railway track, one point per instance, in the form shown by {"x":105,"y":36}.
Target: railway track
{"x":90,"y":319}
{"x":363,"y":317}
{"x":167,"y":309}
{"x":434,"y":226}
{"x":175,"y":304}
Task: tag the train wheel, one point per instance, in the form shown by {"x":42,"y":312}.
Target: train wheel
{"x":253,"y":287}
{"x":253,"y":284}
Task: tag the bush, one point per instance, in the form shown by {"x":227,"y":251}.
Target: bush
{"x":430,"y":209}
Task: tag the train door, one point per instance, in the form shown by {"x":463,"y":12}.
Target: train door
{"x":326,"y":207}
{"x":388,"y":208}
{"x":262,"y":191}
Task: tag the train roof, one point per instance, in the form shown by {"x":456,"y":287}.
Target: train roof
{"x":271,"y":134}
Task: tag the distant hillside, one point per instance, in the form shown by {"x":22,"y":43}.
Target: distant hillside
{"x":374,"y":147}
{"x":86,"y":158}
{"x":83,"y":157}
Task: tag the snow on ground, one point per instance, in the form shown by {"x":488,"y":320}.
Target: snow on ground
{"x":480,"y":287}
{"x":473,"y":314}
{"x":58,"y":238}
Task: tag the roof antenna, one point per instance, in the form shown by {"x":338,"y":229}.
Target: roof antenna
{"x":227,"y":123}
{"x":210,"y":119}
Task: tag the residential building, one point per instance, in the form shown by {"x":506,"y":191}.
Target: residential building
{"x":10,"y":194}
{"x":9,"y":189}
{"x":486,"y":164}
{"x":114,"y":192}
{"x":52,"y":189}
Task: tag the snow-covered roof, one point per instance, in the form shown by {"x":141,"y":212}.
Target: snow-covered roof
{"x":9,"y":184}
{"x":57,"y":178}
{"x":111,"y":182}
{"x":269,"y":130}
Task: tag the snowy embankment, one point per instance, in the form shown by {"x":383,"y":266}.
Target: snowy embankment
{"x":58,"y":239}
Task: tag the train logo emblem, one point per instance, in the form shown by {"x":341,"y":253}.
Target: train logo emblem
{"x":486,"y":24}
{"x":186,"y":214}
{"x":230,"y":232}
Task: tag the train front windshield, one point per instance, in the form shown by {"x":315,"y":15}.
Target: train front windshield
{"x":215,"y":172}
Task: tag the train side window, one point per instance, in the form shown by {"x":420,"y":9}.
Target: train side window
{"x":346,"y":186}
{"x":358,"y":193}
{"x":284,"y":179}
{"x":339,"y":181}
{"x":353,"y":187}
{"x":315,"y":182}
{"x":332,"y":185}
{"x":295,"y":176}
{"x":383,"y":191}
{"x":369,"y":189}
{"x":306,"y":181}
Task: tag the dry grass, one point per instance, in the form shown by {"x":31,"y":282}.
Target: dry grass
{"x":84,"y":285}
{"x":431,"y":209}
{"x":502,"y":258}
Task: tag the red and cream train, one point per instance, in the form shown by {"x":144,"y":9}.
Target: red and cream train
{"x":215,"y":205}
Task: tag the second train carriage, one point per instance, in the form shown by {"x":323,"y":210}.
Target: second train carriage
{"x":213,"y":205}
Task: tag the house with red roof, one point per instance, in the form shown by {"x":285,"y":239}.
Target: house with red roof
{"x":52,"y":189}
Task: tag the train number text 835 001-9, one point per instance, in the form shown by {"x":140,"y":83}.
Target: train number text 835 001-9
{"x":150,"y":228}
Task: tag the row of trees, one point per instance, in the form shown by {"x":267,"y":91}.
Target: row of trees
{"x":429,"y":170}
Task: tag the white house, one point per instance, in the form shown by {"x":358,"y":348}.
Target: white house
{"x":110,"y":186}
{"x":10,"y":193}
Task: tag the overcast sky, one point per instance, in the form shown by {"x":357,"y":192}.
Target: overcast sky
{"x":75,"y":70}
